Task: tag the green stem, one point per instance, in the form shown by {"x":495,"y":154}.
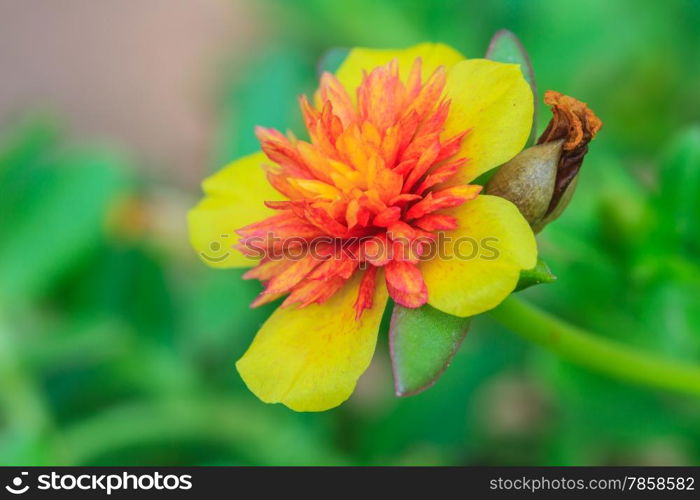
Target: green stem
{"x":595,"y":352}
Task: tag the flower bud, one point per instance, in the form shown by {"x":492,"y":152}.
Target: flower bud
{"x":541,"y":180}
{"x":528,"y":180}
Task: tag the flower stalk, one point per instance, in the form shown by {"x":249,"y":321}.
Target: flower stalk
{"x":595,"y":352}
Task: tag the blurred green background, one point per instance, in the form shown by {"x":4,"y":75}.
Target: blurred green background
{"x":117,"y":345}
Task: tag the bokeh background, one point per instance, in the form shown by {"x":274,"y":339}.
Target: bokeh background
{"x":117,"y":345}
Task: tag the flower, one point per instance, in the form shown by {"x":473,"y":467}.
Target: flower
{"x":343,"y":221}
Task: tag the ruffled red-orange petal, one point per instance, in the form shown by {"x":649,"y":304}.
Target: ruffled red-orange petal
{"x":405,"y":283}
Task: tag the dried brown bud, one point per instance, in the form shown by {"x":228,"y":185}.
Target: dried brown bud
{"x":577,"y":125}
{"x":541,"y":180}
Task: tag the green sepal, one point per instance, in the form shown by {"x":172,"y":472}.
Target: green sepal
{"x":536,"y":276}
{"x":331,"y":60}
{"x":505,"y":47}
{"x":422,"y":343}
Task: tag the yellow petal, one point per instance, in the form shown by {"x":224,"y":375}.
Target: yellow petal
{"x":463,"y":284}
{"x":242,"y":179}
{"x":234,"y":198}
{"x":495,"y":103}
{"x":362,"y":59}
{"x":310,"y":359}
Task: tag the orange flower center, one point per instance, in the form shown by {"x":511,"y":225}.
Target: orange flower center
{"x":365,"y":193}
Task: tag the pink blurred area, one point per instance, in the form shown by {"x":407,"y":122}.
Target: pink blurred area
{"x":141,"y":73}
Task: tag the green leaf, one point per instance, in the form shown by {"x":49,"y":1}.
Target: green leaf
{"x":535,"y":276}
{"x":505,"y":47}
{"x":679,"y":200}
{"x":422,"y":343}
{"x":22,"y":147}
{"x":56,"y":221}
{"x":26,"y":152}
